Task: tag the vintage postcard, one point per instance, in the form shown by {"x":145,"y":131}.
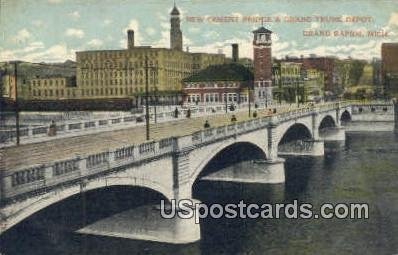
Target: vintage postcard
{"x":198,"y":127}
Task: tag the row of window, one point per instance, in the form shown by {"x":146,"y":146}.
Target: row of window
{"x":52,"y":92}
{"x":124,"y":53}
{"x":89,"y":92}
{"x":117,"y":82}
{"x":128,"y":75}
{"x":105,"y":74}
{"x":215,"y":98}
{"x":212,"y":85}
{"x":262,"y":83}
{"x":141,"y":64}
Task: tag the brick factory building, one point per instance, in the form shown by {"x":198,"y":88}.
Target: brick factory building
{"x":389,"y":68}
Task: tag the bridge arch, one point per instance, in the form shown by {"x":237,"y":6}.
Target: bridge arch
{"x":14,"y":215}
{"x":345,"y":116}
{"x":222,"y":152}
{"x":327,"y":122}
{"x":297,"y":131}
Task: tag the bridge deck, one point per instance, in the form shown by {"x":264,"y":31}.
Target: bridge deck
{"x":65,"y":148}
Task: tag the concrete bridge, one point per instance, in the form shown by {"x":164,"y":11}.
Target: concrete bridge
{"x":171,"y":166}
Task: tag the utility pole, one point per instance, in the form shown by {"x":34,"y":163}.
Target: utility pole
{"x":297,"y":96}
{"x":225,"y":98}
{"x":248,"y":94}
{"x":16,"y":102}
{"x":146,"y":98}
{"x":156,"y":102}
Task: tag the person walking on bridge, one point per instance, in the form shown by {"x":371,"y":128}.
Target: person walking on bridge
{"x":206,"y":125}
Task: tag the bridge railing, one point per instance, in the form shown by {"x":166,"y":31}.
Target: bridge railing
{"x":380,"y":107}
{"x":309,"y":109}
{"x":212,"y":134}
{"x":40,"y":177}
{"x":73,"y":126}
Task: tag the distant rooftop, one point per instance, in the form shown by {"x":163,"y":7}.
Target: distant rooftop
{"x":262,"y":30}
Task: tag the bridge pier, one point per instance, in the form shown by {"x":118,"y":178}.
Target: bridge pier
{"x":318,"y":148}
{"x":275,"y":170}
{"x":334,"y":134}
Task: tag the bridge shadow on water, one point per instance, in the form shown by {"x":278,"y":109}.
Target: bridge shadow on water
{"x":52,"y":230}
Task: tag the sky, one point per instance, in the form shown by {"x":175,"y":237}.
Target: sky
{"x":53,"y":30}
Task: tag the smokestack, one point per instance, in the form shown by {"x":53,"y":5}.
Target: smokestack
{"x":130,"y":39}
{"x":235,"y":52}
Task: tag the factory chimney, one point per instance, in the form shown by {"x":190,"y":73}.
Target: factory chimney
{"x":235,"y":52}
{"x":130,"y":39}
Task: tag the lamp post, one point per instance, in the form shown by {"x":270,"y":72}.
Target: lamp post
{"x":225,"y":98}
{"x":249,"y":99}
{"x":146,"y":99}
{"x":16,"y":101}
{"x":155,"y":104}
{"x":297,"y":96}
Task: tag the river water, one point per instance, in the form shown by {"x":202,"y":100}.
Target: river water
{"x":363,"y":170}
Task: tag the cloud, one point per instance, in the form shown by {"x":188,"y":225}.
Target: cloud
{"x":73,"y":32}
{"x":365,"y":50}
{"x":95,"y":43}
{"x":36,"y":52}
{"x":55,"y":1}
{"x":107,"y":21}
{"x":33,"y":47}
{"x":134,"y":25}
{"x":22,"y":36}
{"x":392,"y":27}
{"x":74,"y":15}
{"x":165,"y":25}
{"x":7,"y":55}
{"x":55,"y":53}
{"x":150,"y":30}
{"x":393,"y":19}
{"x":193,"y":30}
{"x":164,"y":41}
{"x":211,"y":34}
{"x":245,"y":46}
{"x":123,"y":43}
{"x":38,"y":23}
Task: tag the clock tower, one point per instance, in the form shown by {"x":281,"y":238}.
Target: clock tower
{"x":262,"y":65}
